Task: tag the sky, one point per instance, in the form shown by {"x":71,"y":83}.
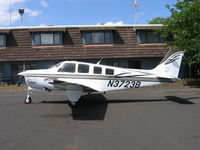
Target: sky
{"x":80,"y":12}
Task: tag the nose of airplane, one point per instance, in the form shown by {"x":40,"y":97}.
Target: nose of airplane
{"x":21,"y":73}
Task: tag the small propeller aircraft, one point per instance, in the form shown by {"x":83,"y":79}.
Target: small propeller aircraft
{"x":76,"y":78}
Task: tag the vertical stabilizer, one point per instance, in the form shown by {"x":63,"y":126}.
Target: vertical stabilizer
{"x":170,"y":65}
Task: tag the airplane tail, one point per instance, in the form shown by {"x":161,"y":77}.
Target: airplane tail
{"x":170,"y":65}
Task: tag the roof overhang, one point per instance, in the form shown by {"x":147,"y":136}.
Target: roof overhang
{"x":81,"y":27}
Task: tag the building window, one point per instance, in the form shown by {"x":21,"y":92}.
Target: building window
{"x":16,"y":68}
{"x":2,"y":40}
{"x":47,"y":39}
{"x":134,"y":64}
{"x":97,"y":70}
{"x":97,"y":37}
{"x":115,"y":63}
{"x":82,"y":68}
{"x":1,"y":70}
{"x":109,"y":71}
{"x":149,"y":36}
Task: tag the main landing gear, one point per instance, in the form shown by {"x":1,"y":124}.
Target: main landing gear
{"x":72,"y":104}
{"x":74,"y":93}
{"x":28,"y":99}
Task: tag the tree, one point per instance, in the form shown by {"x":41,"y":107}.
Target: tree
{"x":159,"y":20}
{"x":184,"y":25}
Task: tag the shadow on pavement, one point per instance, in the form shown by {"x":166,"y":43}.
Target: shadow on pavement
{"x":179,"y":100}
{"x":90,"y":107}
{"x":94,"y":107}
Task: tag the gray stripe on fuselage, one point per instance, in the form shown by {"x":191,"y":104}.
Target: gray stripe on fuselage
{"x":97,"y":77}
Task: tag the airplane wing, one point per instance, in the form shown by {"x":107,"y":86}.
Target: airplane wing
{"x":63,"y":83}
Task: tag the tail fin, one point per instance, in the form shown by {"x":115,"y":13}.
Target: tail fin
{"x":170,"y":65}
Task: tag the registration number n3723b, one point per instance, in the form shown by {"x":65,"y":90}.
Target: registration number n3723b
{"x":124,"y":83}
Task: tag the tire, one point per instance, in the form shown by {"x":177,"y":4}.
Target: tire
{"x":28,"y":100}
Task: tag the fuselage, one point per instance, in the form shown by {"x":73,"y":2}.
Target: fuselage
{"x":91,"y":77}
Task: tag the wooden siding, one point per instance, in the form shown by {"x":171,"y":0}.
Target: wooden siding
{"x":19,"y":46}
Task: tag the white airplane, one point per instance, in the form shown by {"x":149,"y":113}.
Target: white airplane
{"x":76,"y":78}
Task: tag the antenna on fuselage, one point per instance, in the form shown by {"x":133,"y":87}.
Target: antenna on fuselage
{"x":99,"y":61}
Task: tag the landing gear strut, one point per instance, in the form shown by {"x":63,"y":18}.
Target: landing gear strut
{"x":74,"y":92}
{"x":28,"y":99}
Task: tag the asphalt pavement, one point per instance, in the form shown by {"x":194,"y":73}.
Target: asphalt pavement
{"x":138,"y":119}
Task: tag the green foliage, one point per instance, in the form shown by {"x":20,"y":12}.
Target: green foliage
{"x":158,"y":20}
{"x":184,"y":25}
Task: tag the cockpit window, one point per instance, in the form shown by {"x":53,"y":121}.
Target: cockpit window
{"x":97,"y":70}
{"x":56,"y":65}
{"x":109,"y":71}
{"x":68,"y":67}
{"x":82,"y":68}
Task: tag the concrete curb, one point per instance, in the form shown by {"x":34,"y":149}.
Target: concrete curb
{"x":13,"y":89}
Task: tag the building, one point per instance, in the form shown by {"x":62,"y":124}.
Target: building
{"x":130,"y":46}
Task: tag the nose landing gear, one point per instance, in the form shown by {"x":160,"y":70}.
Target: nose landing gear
{"x":28,"y":99}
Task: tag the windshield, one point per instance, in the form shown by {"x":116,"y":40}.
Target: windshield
{"x":56,"y":65}
{"x":68,"y":67}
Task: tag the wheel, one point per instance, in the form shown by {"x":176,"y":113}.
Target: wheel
{"x":28,"y":100}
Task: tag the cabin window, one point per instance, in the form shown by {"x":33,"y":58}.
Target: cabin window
{"x":47,"y":39}
{"x":149,"y":36}
{"x":109,"y":71}
{"x":97,"y":37}
{"x":2,"y":40}
{"x":68,"y":67}
{"x":82,"y":68}
{"x":97,"y":70}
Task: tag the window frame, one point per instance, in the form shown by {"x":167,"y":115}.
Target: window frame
{"x":40,"y":38}
{"x":91,"y":36}
{"x":4,"y":40}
